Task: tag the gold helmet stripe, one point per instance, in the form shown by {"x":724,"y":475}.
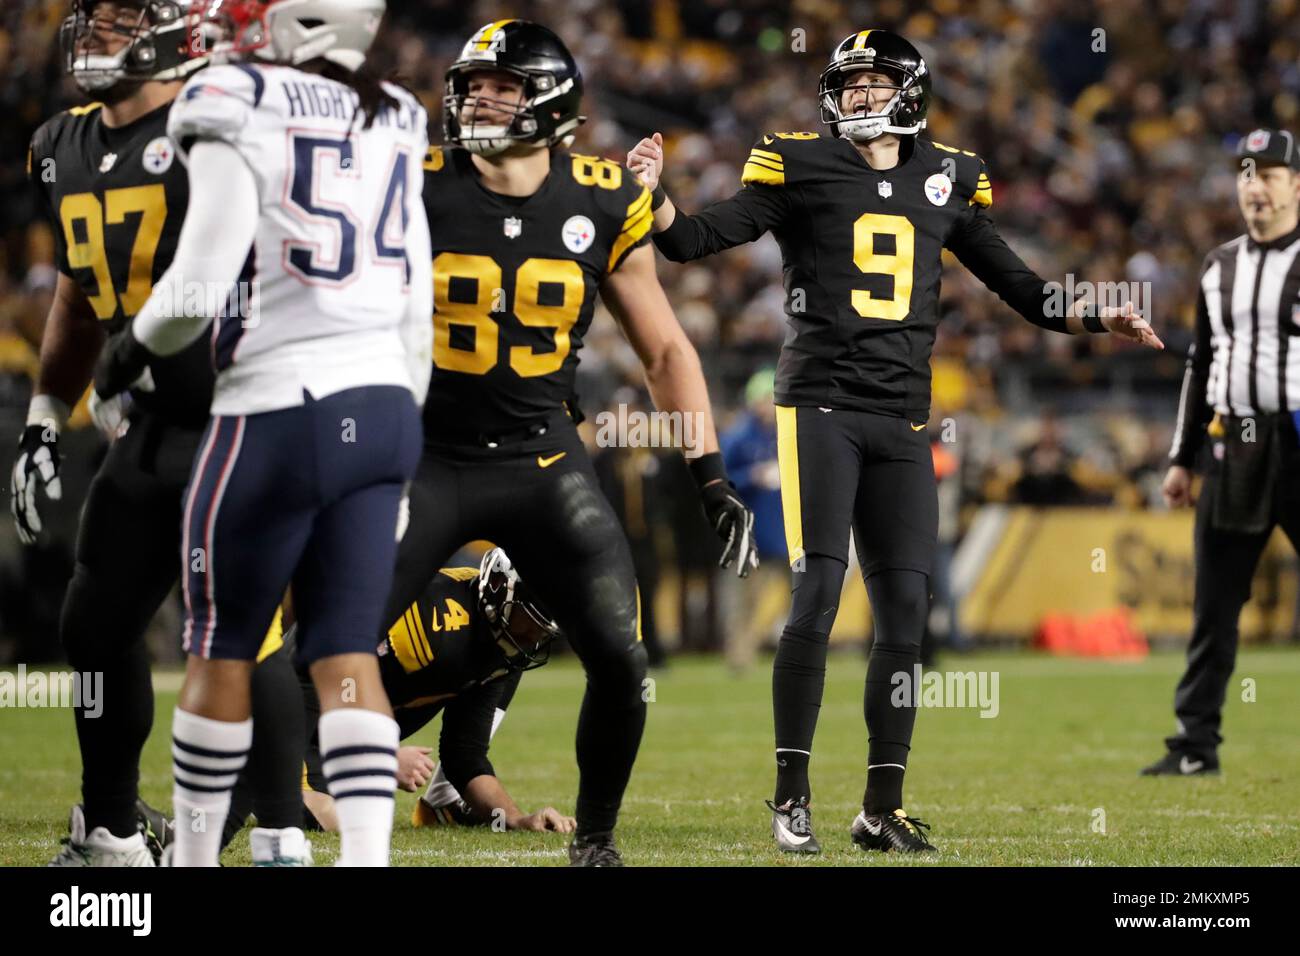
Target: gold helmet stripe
{"x":861,"y":42}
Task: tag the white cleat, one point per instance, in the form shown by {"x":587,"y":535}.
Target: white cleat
{"x":99,"y":847}
{"x":287,"y":847}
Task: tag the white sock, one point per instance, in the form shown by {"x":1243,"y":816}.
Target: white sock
{"x":207,"y":756}
{"x":359,"y":756}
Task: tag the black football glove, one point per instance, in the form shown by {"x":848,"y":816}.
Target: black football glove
{"x":122,"y":361}
{"x":37,"y":467}
{"x":730,"y":518}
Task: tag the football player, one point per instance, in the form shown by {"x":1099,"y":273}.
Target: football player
{"x":861,"y":216}
{"x":305,"y":181}
{"x":108,"y":178}
{"x":527,"y":235}
{"x":459,"y":650}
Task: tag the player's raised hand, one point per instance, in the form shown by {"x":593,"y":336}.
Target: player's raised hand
{"x":646,"y":159}
{"x":1125,"y":321}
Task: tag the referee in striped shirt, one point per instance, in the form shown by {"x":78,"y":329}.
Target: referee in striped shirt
{"x":1241,"y":390}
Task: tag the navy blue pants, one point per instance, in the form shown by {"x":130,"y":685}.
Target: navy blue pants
{"x":308,"y":496}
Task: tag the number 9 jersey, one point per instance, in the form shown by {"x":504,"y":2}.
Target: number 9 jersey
{"x":862,"y":252}
{"x":515,"y":282}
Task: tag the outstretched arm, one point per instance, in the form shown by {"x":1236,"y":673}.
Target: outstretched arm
{"x":978,"y":246}
{"x":744,"y":217}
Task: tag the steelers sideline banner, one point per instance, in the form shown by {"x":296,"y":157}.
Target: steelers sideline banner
{"x":1018,"y":564}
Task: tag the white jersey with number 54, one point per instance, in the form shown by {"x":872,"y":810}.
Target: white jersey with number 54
{"x":328,"y":290}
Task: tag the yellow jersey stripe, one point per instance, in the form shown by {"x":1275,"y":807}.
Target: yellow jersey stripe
{"x":399,"y":639}
{"x":754,"y":173}
{"x":83,"y":110}
{"x":983,"y":196}
{"x":420,"y":635}
{"x":638,"y":224}
{"x":274,"y":639}
{"x":787,"y":459}
{"x":757,"y":153}
{"x":766,"y":164}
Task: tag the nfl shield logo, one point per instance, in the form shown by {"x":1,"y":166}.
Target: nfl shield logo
{"x":885,"y":189}
{"x":1257,"y":140}
{"x":107,"y":162}
{"x":513,"y":227}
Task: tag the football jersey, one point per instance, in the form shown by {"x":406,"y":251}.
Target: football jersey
{"x":515,"y":283}
{"x":861,"y":251}
{"x":116,"y":198}
{"x":328,"y":275}
{"x":441,"y":646}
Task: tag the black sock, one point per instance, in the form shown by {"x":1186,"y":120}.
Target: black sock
{"x":798,"y":678}
{"x":111,"y":741}
{"x":274,"y":771}
{"x":899,"y":603}
{"x":610,"y":726}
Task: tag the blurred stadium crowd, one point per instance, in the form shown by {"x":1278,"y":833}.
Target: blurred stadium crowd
{"x":1107,"y":128}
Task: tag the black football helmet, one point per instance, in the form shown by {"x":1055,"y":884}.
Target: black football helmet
{"x":552,"y":97}
{"x":878,"y":51}
{"x":158,"y":46}
{"x":501,"y":598}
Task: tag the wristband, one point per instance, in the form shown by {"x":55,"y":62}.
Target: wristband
{"x":708,"y":468}
{"x":44,"y":408}
{"x":658,"y":197}
{"x":1092,"y":323}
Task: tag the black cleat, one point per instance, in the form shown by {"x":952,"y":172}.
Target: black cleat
{"x":157,"y":830}
{"x":792,"y":826}
{"x":1182,"y":764}
{"x":595,"y":849}
{"x":890,"y":831}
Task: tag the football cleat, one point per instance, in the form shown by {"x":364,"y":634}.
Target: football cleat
{"x":99,"y":847}
{"x":890,"y":831}
{"x":157,"y":830}
{"x":1182,"y":764}
{"x":596,"y":849}
{"x":456,"y":813}
{"x":286,"y":847}
{"x":792,"y":826}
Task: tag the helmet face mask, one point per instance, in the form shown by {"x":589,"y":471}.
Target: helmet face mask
{"x":523,"y":630}
{"x":154,"y":44}
{"x":546,"y":114}
{"x":876,"y":51}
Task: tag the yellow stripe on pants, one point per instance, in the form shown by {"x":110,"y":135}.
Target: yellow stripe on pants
{"x":787,"y":456}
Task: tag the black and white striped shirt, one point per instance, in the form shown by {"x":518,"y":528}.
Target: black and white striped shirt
{"x":1246,"y":357}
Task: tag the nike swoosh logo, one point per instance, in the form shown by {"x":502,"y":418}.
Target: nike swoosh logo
{"x":789,"y":836}
{"x":825,"y":410}
{"x":1187,"y":765}
{"x":548,"y":462}
{"x":917,"y":428}
{"x":866,"y":825}
{"x":768,"y":141}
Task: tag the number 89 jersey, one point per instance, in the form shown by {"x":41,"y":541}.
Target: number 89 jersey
{"x":515,"y":281}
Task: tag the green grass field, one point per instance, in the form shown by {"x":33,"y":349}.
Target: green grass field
{"x":1034,"y":786}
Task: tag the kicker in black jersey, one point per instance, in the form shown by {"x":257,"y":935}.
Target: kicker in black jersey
{"x":515,"y":283}
{"x":116,"y":198}
{"x":862,"y":261}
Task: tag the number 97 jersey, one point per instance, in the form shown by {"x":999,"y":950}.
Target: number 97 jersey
{"x":515,"y":282}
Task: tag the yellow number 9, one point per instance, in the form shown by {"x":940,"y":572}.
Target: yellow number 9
{"x":897,"y":265}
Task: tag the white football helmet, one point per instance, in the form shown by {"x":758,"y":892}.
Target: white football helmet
{"x":290,"y":31}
